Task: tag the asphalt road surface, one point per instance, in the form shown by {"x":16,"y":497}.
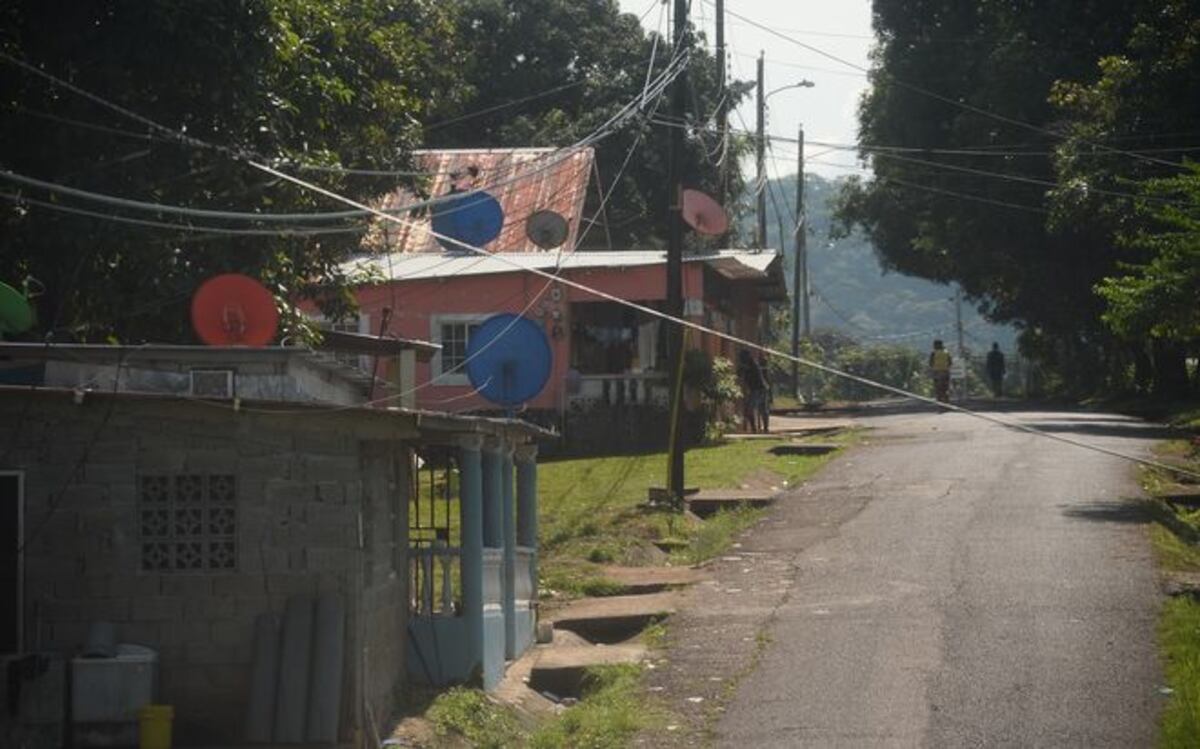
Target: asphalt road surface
{"x":996,"y":589}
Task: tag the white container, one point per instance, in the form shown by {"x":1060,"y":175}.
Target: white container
{"x":111,"y":690}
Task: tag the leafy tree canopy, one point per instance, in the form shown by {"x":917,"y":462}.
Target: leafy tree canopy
{"x":313,"y":81}
{"x":571,"y":65}
{"x":1024,"y":195}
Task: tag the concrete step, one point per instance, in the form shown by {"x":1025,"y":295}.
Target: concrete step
{"x":560,"y":670}
{"x":641,"y":580}
{"x":614,"y":618}
{"x":708,"y":502}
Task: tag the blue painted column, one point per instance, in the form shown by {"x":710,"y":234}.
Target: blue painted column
{"x":510,"y":555}
{"x":471,"y":517}
{"x":527,"y":503}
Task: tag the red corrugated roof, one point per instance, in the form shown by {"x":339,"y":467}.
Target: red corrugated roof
{"x":523,"y":180}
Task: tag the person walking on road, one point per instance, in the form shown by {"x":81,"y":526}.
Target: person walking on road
{"x":995,"y":369}
{"x":939,"y":370}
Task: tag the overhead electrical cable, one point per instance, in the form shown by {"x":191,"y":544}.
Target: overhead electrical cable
{"x":204,"y":229}
{"x":716,"y":333}
{"x":945,"y":99}
{"x":741,"y":341}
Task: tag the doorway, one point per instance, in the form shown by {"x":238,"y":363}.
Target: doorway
{"x":12,"y":571}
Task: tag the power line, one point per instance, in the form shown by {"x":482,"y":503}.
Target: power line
{"x":222,"y":230}
{"x":934,"y":95}
{"x":674,"y":67}
{"x":703,"y":329}
{"x":683,"y":322}
{"x":1005,"y":176}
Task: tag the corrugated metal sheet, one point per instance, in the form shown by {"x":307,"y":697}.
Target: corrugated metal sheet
{"x":523,"y":180}
{"x":734,"y":264}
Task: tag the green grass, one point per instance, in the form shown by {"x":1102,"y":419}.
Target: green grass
{"x":1174,"y":553}
{"x":717,"y":533}
{"x":1179,"y":638}
{"x":469,"y":715}
{"x":592,"y":510}
{"x":1179,"y":622}
{"x":611,"y":713}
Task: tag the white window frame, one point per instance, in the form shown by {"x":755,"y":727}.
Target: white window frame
{"x":459,"y":376}
{"x":20,"y":602}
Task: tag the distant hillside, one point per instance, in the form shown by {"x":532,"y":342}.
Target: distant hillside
{"x":852,"y":293}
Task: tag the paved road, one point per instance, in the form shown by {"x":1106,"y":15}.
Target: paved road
{"x":994,"y":590}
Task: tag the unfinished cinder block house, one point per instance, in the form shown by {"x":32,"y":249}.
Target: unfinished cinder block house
{"x":285,"y":550}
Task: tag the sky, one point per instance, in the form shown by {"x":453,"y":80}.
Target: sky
{"x":827,"y":111}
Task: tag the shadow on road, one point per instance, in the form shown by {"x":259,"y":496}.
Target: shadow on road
{"x":1100,"y":428}
{"x":1127,"y":511}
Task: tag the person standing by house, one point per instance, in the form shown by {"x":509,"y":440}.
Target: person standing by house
{"x":764,"y":401}
{"x":939,"y":370}
{"x":995,"y":369}
{"x":751,"y":379}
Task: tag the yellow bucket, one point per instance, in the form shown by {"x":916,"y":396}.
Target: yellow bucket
{"x":154,"y":726}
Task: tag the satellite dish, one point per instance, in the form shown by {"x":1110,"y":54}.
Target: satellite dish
{"x":704,"y":214}
{"x":508,"y":359}
{"x":473,"y":218}
{"x":546,"y":229}
{"x":16,"y":315}
{"x":234,"y":310}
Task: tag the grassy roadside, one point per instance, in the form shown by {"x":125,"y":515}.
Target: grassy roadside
{"x":592,"y":513}
{"x":593,"y":510}
{"x":1174,"y":535}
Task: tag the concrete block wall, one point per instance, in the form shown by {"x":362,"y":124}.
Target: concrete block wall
{"x":301,"y":483}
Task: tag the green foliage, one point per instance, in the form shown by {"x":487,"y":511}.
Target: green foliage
{"x":714,"y":381}
{"x":597,"y":59}
{"x":717,"y":533}
{"x":611,"y":713}
{"x":469,"y":714}
{"x":932,"y":216}
{"x":317,"y":81}
{"x":1159,"y":297}
{"x":1179,"y":635}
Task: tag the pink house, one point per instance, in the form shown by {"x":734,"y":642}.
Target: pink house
{"x":605,"y":354}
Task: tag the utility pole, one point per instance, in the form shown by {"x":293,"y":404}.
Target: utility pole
{"x":675,"y":351}
{"x":799,"y":272}
{"x":958,"y":323}
{"x":962,"y":349}
{"x":722,"y":106}
{"x":760,"y":185}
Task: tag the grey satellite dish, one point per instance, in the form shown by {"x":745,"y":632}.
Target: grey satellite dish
{"x":546,"y":229}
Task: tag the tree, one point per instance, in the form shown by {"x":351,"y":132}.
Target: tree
{"x":977,"y":216}
{"x":1132,"y":99}
{"x":322,"y":82}
{"x":549,"y":72}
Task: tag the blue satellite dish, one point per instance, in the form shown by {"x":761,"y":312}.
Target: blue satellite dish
{"x":473,"y":218}
{"x":508,"y":359}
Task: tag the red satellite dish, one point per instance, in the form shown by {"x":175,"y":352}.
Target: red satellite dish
{"x":704,"y":214}
{"x":234,"y":310}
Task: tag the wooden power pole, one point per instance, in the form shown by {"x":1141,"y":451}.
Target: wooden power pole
{"x":675,"y":438}
{"x":799,"y":272}
{"x":760,"y":185}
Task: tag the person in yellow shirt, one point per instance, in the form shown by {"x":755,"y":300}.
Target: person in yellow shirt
{"x":939,"y":369}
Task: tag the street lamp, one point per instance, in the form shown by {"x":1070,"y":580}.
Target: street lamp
{"x":800,"y":312}
{"x":760,"y":151}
